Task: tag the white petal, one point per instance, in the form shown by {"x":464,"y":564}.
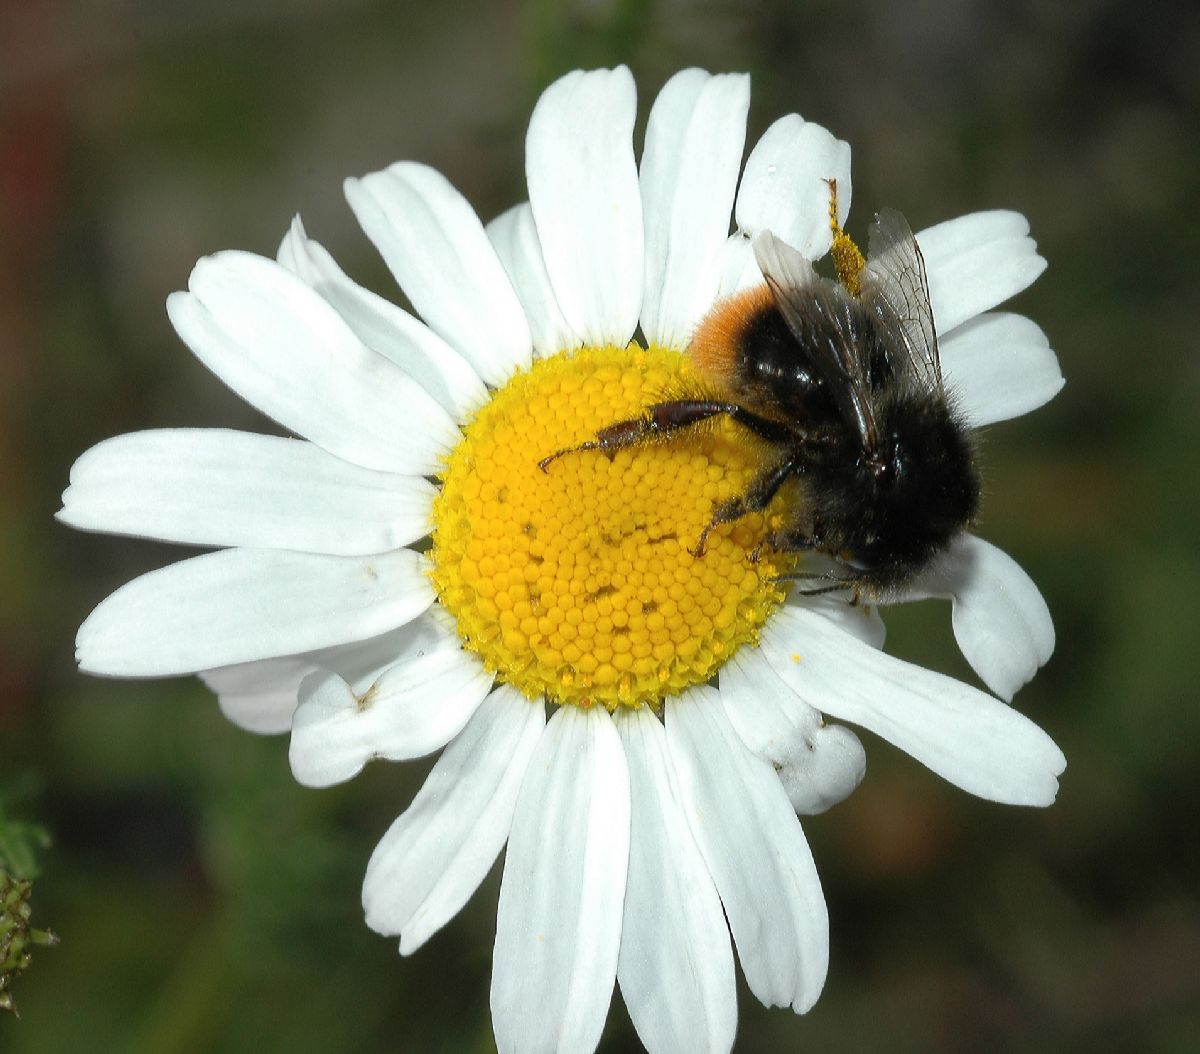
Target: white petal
{"x":386,"y":328}
{"x":823,"y":771}
{"x":961,"y":733}
{"x":208,"y":486}
{"x":694,"y":141}
{"x":414,"y":707}
{"x":442,"y":846}
{"x":583,"y":189}
{"x":432,"y":241}
{"x":558,"y":924}
{"x":976,"y":262}
{"x":755,"y":850}
{"x":784,"y":186}
{"x":767,"y":715}
{"x":515,"y":239}
{"x":860,"y":619}
{"x":283,"y":349}
{"x":261,"y":696}
{"x":739,"y":268}
{"x":1000,"y":620}
{"x":820,"y":764}
{"x":999,"y":366}
{"x":676,"y":967}
{"x":238,"y":605}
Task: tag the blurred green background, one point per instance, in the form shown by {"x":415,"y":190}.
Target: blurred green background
{"x":207,"y":903}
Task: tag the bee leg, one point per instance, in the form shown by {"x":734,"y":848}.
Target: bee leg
{"x":791,"y":541}
{"x":758,"y":496}
{"x":817,"y":591}
{"x":848,"y":259}
{"x":795,"y":541}
{"x":661,"y":420}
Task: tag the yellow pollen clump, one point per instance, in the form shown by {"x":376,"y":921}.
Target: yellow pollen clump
{"x":577,"y":584}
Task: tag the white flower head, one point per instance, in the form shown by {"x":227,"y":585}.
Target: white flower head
{"x":403,"y":578}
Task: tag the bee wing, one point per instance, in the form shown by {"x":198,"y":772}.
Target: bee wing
{"x":894,"y":286}
{"x":816,"y":310}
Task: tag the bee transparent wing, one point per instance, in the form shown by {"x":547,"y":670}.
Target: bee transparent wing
{"x":817,"y":311}
{"x":895,"y":288}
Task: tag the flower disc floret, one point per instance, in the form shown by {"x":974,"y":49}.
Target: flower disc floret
{"x":579,"y":584}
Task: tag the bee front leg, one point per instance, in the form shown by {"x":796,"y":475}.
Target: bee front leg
{"x":793,"y":540}
{"x":758,"y":496}
{"x":796,"y":540}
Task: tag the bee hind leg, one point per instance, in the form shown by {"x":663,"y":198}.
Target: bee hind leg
{"x":661,"y":420}
{"x":848,"y":259}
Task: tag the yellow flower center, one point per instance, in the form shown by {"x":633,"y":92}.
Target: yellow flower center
{"x":578,"y":584}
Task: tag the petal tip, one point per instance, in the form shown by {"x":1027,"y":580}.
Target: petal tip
{"x":177,"y":303}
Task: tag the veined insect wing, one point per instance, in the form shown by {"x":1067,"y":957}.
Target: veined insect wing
{"x":894,"y":286}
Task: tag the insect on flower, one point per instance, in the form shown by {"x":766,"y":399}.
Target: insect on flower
{"x":842,"y":381}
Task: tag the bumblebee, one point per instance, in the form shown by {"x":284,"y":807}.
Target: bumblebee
{"x":842,"y":380}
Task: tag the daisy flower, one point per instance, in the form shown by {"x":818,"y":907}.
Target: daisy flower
{"x":639,"y":726}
